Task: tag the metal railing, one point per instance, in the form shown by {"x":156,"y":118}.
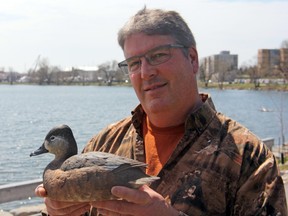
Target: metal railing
{"x":25,"y":189}
{"x":18,"y":191}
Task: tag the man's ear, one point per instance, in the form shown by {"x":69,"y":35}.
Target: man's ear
{"x":193,"y":57}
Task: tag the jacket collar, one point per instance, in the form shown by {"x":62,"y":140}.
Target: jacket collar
{"x":197,"y":120}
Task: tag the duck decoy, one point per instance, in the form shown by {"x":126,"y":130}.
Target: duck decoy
{"x":88,"y":176}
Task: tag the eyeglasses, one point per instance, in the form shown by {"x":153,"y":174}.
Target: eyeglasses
{"x":156,"y":56}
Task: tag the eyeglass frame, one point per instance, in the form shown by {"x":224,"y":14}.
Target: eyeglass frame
{"x":124,"y":64}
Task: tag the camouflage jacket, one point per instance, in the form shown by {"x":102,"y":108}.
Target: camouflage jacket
{"x":218,"y":168}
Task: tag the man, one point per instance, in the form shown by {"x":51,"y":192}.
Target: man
{"x":208,"y":163}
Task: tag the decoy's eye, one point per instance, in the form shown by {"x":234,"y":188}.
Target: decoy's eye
{"x":52,"y":138}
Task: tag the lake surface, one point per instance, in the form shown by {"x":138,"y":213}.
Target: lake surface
{"x":27,"y":113}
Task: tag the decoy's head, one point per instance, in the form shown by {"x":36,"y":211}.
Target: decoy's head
{"x":59,"y":141}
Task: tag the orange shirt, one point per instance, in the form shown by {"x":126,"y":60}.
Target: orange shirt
{"x":159,"y":145}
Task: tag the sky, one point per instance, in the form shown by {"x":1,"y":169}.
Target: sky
{"x":83,"y":33}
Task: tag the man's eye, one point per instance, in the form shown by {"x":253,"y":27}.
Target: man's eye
{"x":159,"y":56}
{"x":133,"y":65}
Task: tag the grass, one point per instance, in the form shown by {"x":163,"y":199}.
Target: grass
{"x":283,"y":167}
{"x":247,"y":86}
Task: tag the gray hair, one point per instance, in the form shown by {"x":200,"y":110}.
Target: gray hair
{"x":157,"y":22}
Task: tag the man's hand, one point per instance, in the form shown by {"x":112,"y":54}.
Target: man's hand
{"x":62,"y":208}
{"x":142,"y":202}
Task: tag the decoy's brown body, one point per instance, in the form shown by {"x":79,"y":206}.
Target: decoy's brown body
{"x":89,"y":176}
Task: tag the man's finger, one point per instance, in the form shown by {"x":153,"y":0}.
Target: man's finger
{"x":131,"y":195}
{"x":40,"y":191}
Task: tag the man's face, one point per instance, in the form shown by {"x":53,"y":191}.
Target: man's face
{"x":169,"y":86}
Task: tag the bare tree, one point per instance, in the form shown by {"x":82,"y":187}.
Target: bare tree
{"x":221,"y":78}
{"x":284,"y":44}
{"x":251,"y":69}
{"x":11,"y":76}
{"x":224,"y":73}
{"x":205,"y":74}
{"x":71,"y":76}
{"x":43,"y":73}
{"x":283,"y":67}
{"x":253,"y":72}
{"x":110,"y":71}
{"x":56,"y":75}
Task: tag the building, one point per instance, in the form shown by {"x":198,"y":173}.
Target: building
{"x":3,"y":76}
{"x":284,"y":63}
{"x":270,"y":60}
{"x":220,"y":67}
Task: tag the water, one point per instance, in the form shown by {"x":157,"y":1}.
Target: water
{"x":27,"y":113}
{"x":245,"y":107}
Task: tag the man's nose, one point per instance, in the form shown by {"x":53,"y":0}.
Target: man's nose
{"x":147,"y":70}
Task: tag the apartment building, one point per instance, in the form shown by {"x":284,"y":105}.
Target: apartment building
{"x":284,"y":57}
{"x":271,"y":59}
{"x":220,"y":67}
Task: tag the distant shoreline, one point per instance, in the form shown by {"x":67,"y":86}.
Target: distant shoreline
{"x":225,"y":86}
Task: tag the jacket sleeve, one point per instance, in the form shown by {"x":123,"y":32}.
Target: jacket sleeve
{"x":261,"y":188}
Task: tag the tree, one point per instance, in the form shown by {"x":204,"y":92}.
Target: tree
{"x":11,"y":76}
{"x":110,"y":71}
{"x":204,"y":74}
{"x":225,"y":72}
{"x":56,"y":75}
{"x":283,"y":67}
{"x":43,"y":73}
{"x":251,"y":69}
{"x":284,"y":44}
{"x":253,"y":73}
